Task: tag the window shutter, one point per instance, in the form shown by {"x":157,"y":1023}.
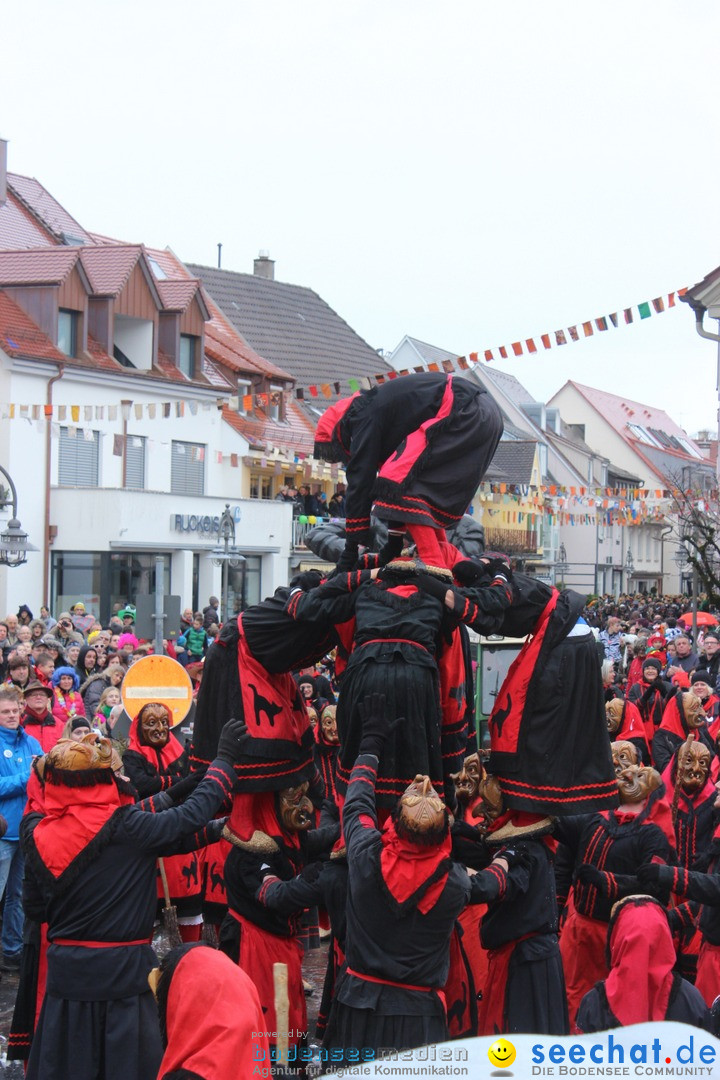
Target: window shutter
{"x":135,"y":462}
{"x":78,"y":460}
{"x":188,"y":469}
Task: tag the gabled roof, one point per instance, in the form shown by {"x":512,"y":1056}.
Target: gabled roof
{"x":19,"y":228}
{"x":39,"y":266}
{"x":514,"y":460}
{"x":261,"y":431}
{"x":293,"y":327}
{"x":109,"y":268}
{"x":46,"y":209}
{"x":508,"y":384}
{"x":429,"y":354}
{"x":178,"y":295}
{"x":19,"y":336}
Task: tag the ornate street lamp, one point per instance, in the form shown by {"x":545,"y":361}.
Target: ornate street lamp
{"x":227,"y":556}
{"x":14,"y":544}
{"x":629,"y":567}
{"x":562,"y":565}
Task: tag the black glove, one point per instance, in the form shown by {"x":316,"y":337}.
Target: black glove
{"x":180,"y":791}
{"x":499,"y":568}
{"x":515,"y":857}
{"x":587,"y":874}
{"x":349,"y":557}
{"x":311,"y":872}
{"x":375,"y":724}
{"x":231,"y":738}
{"x":214,"y":829}
{"x":656,"y":879}
{"x":463,"y":831}
{"x":308,"y":579}
{"x":468,"y":572}
{"x":432,"y":585}
{"x":392,"y":548}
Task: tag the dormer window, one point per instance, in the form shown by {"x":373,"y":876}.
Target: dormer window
{"x":68,"y":331}
{"x":275,"y":403}
{"x":186,"y":359}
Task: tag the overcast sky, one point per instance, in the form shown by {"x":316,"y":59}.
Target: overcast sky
{"x":466,"y":172}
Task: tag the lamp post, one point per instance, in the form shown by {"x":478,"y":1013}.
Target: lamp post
{"x":629,"y":567}
{"x":681,"y":559}
{"x":14,"y":544}
{"x":227,"y":556}
{"x":562,"y":565}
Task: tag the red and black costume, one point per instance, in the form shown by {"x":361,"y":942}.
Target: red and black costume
{"x":417,"y":447}
{"x":614,"y":844}
{"x":267,"y":894}
{"x":326,"y":754}
{"x":246,"y":675}
{"x":403,"y":900}
{"x":641,"y":985}
{"x":399,"y":651}
{"x":95,"y":863}
{"x":673,"y":732}
{"x":151,"y":770}
{"x":632,"y":730}
{"x":550,"y":749}
{"x":210,"y":1015}
{"x":650,"y":698}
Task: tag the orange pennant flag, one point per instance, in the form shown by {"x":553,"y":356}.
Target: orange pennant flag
{"x":531,"y":346}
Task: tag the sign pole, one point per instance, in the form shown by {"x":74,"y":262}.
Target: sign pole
{"x":159,"y":615}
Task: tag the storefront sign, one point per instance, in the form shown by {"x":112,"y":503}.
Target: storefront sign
{"x":201,"y":523}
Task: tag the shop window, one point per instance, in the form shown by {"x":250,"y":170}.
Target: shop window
{"x":78,"y":458}
{"x":260,"y":486}
{"x":187,"y":475}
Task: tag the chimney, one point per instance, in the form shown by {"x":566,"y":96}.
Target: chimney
{"x":3,"y":171}
{"x":264,"y":266}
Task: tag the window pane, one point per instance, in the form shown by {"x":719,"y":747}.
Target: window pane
{"x":188,"y":469}
{"x":67,"y":332}
{"x":78,"y":459}
{"x":187,"y":355}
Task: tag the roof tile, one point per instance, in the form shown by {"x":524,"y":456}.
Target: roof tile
{"x":19,"y":336}
{"x":38,"y":266}
{"x":108,"y":268}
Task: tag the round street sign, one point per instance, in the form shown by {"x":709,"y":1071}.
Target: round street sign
{"x":157,"y":678}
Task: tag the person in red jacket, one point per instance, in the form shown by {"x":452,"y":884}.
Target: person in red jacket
{"x":37,"y":719}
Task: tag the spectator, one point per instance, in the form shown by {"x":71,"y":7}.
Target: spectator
{"x":72,"y":652}
{"x":24,"y":615}
{"x":37,"y":629}
{"x":68,"y":702}
{"x":711,"y":648}
{"x":610,"y":639}
{"x":196,"y":639}
{"x":44,"y":667}
{"x":65,"y":631}
{"x":322,"y":506}
{"x":11,"y":622}
{"x":686,"y":659}
{"x":85,"y":666}
{"x":186,"y":620}
{"x":109,"y":698}
{"x":37,"y":719}
{"x":47,"y":618}
{"x":337,"y":502}
{"x":77,"y":728}
{"x":54,"y":647}
{"x":211,"y":613}
{"x":18,"y":750}
{"x":18,"y":672}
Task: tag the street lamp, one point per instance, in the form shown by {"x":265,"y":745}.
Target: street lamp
{"x":227,"y":556}
{"x":14,"y":544}
{"x":629,"y":567}
{"x":562,"y":565}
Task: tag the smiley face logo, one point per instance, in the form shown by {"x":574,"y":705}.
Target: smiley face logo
{"x":501,"y":1053}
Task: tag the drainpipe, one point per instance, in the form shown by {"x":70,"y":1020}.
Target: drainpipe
{"x":709,"y":336}
{"x":48,"y":449}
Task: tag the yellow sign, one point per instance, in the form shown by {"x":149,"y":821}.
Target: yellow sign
{"x":157,"y":678}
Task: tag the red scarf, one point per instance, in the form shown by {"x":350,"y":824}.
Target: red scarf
{"x":73,"y":816}
{"x":162,"y":761}
{"x":406,"y":867}
{"x":219,"y":1032}
{"x":255,"y":811}
{"x":642,"y":956}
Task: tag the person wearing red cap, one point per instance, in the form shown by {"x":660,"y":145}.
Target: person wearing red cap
{"x":641,"y":985}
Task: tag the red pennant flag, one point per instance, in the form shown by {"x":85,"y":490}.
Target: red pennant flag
{"x":613,"y":317}
{"x":233,"y":461}
{"x":560,"y":337}
{"x":681,"y":292}
{"x":659,"y":304}
{"x":433,"y":367}
{"x":503,"y":352}
{"x":601,"y":323}
{"x":488,"y":355}
{"x":313,"y":391}
{"x":327,"y":392}
{"x":628,"y":315}
{"x":474,"y":357}
{"x":48,"y":410}
{"x":463,"y":364}
{"x":418,"y":369}
{"x":517,"y":348}
{"x":587,"y":329}
{"x":573,"y":332}
{"x":404,"y":371}
{"x":448,"y":366}
{"x":248,"y":401}
{"x":545,"y":338}
{"x":671,"y":299}
{"x":531,"y":346}
{"x":379,"y":379}
{"x":392,"y":374}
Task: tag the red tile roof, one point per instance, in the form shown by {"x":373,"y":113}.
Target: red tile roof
{"x":260,"y":431}
{"x":18,"y":227}
{"x":42,"y":204}
{"x":39,"y":266}
{"x":108,"y":268}
{"x":19,"y":336}
{"x":101,"y":359}
{"x":177,"y":295}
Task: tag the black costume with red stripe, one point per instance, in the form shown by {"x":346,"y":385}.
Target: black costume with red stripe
{"x":632,"y":729}
{"x":549,"y":744}
{"x":398,"y":647}
{"x":98,"y":885}
{"x":417,"y":447}
{"x":650,"y":698}
{"x":400,"y":916}
{"x":247,"y":675}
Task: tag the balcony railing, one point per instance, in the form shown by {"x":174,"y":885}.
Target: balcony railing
{"x":513,"y":542}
